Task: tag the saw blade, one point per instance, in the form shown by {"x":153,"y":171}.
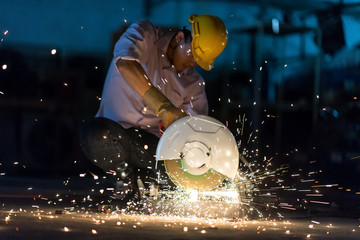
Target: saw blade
{"x":186,"y":181}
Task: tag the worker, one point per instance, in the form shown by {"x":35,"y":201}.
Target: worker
{"x":150,"y":84}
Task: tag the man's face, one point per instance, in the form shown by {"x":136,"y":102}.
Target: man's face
{"x":183,"y":57}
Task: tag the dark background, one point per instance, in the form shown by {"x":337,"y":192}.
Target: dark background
{"x":297,"y":89}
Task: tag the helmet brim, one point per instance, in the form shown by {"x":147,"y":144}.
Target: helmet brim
{"x":206,"y":65}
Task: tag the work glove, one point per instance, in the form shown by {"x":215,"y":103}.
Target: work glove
{"x":162,"y":106}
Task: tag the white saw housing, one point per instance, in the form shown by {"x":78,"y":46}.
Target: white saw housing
{"x":202,"y":143}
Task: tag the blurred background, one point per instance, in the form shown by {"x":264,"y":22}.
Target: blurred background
{"x":287,"y":84}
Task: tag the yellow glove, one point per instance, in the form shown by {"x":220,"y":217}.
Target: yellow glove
{"x":162,"y":106}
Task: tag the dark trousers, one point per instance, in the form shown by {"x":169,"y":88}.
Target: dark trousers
{"x":126,"y":152}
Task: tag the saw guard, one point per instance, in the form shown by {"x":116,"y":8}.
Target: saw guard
{"x":222,"y":155}
{"x":204,"y":182}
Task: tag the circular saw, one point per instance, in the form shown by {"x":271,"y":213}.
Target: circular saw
{"x":199,"y":152}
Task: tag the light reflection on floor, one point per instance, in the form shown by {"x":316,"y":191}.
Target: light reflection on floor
{"x":59,"y":222}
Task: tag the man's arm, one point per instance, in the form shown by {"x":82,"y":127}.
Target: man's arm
{"x":136,"y":77}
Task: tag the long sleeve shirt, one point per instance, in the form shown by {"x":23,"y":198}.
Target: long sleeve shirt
{"x":147,"y":44}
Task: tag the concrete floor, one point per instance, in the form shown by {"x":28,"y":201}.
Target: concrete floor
{"x":46,"y":223}
{"x":56,"y":209}
{"x":40,"y":218}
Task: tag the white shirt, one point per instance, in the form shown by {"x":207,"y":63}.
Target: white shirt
{"x":147,"y":44}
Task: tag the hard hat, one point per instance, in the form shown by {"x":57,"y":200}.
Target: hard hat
{"x":209,"y":39}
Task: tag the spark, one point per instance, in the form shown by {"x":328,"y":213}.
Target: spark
{"x":308,"y":180}
{"x":94,"y":176}
{"x":53,"y":51}
{"x":320,"y":202}
{"x":314,"y":195}
{"x":327,"y":185}
{"x":4,"y":67}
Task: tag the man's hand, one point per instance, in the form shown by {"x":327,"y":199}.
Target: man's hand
{"x":162,"y":106}
{"x":171,"y":115}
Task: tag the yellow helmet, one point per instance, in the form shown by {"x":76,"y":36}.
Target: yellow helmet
{"x":209,"y":39}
